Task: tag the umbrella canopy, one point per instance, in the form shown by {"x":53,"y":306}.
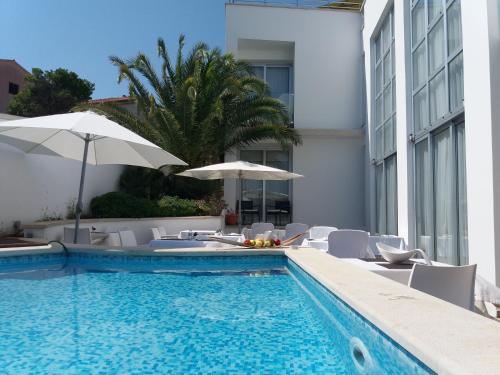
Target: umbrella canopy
{"x":65,"y":135}
{"x":239,"y":169}
{"x":84,"y":136}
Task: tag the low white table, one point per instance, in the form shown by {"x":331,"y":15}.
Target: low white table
{"x":202,"y":234}
{"x":316,"y":244}
{"x":400,"y":273}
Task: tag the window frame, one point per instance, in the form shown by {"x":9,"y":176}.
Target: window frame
{"x":380,"y":152}
{"x":13,"y":85}
{"x":449,"y":57}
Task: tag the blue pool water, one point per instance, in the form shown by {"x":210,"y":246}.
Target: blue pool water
{"x":182,"y":315}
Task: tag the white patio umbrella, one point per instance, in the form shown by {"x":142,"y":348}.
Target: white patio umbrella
{"x":241,"y":170}
{"x":84,"y":136}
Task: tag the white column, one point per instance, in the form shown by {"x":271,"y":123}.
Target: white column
{"x":481,"y":41}
{"x":406,"y":214}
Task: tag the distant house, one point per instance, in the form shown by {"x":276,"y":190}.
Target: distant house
{"x":12,"y":77}
{"x":123,"y":101}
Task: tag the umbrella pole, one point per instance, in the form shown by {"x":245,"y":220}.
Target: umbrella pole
{"x":239,"y":203}
{"x":79,"y":205}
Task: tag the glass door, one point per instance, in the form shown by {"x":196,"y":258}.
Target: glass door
{"x":444,"y":192}
{"x":423,"y":198}
{"x":251,"y":190}
{"x":441,"y":194}
{"x":271,"y":199}
{"x":277,"y":202}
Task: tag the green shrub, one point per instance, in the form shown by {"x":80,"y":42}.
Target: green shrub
{"x":175,"y":206}
{"x":118,"y":204}
{"x":153,"y":184}
{"x":123,"y":205}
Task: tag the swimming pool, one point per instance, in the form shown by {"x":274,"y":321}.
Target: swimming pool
{"x":119,"y":314}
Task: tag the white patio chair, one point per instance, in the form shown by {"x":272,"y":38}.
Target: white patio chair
{"x":293,"y":229}
{"x":113,"y":239}
{"x":127,"y":238}
{"x":260,"y":228}
{"x":163,"y":232}
{"x":320,"y":232}
{"x":346,"y":243}
{"x":247,"y":233}
{"x":155,"y":232}
{"x":452,"y":284}
{"x":83,"y":235}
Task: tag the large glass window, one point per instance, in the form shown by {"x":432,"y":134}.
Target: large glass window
{"x":441,"y":194}
{"x":266,"y":200}
{"x":437,"y":62}
{"x":279,"y":79}
{"x":440,"y":191}
{"x":385,"y":130}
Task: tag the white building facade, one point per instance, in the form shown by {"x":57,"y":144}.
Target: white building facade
{"x":420,"y":79}
{"x":312,"y":60}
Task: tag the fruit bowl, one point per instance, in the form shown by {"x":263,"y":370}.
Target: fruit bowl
{"x":394,"y":255}
{"x":262,"y":244}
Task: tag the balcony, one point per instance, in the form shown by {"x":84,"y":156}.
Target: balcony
{"x":288,"y":99}
{"x":355,"y":5}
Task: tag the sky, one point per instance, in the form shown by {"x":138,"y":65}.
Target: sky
{"x":80,"y":35}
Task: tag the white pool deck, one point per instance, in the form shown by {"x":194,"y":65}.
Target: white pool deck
{"x":447,"y":338}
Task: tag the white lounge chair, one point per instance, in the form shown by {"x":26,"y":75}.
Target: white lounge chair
{"x":155,"y":232}
{"x":113,"y":239}
{"x":452,"y":284}
{"x":83,"y":235}
{"x":127,"y":238}
{"x":346,"y":243}
{"x":293,"y":229}
{"x":163,"y":232}
{"x":320,"y":232}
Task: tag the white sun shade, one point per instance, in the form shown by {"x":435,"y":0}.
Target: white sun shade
{"x":239,"y":169}
{"x":63,"y":135}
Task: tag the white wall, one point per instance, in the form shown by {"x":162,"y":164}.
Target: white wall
{"x":481,"y":43}
{"x":332,"y":192}
{"x":34,"y":185}
{"x":327,"y":63}
{"x":141,"y":227}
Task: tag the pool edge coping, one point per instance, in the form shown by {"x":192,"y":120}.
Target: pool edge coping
{"x":447,"y":338}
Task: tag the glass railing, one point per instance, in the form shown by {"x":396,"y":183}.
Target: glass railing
{"x":288,"y":99}
{"x":339,"y":4}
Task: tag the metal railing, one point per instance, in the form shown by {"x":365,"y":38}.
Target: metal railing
{"x":339,"y":4}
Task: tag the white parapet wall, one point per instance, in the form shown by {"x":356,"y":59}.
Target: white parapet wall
{"x":33,"y":187}
{"x":53,"y":231}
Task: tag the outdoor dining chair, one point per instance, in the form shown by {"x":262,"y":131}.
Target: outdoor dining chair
{"x":346,"y":243}
{"x":162,"y":231}
{"x":259,"y":228}
{"x":320,"y":232}
{"x":155,"y":232}
{"x":454,"y":284}
{"x":293,"y":229}
{"x":248,"y":210}
{"x":281,"y":209}
{"x":127,"y":238}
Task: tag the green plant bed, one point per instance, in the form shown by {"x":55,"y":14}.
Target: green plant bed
{"x":123,"y":205}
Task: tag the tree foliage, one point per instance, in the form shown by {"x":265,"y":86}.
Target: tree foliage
{"x":50,"y":92}
{"x":201,"y":105}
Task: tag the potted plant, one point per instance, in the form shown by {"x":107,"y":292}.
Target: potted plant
{"x":231,"y":217}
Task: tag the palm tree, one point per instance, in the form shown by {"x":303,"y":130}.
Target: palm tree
{"x":200,"y":107}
